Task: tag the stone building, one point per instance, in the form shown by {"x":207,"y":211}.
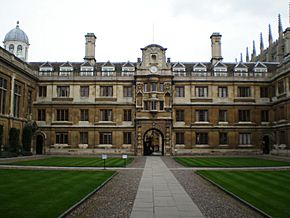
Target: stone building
{"x":18,"y":87}
{"x":154,"y":105}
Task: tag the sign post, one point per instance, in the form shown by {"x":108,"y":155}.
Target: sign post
{"x":125,"y":156}
{"x":104,"y":157}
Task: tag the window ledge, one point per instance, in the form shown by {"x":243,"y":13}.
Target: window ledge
{"x":224,"y":145}
{"x":180,"y":122}
{"x":60,"y":145}
{"x":223,"y":123}
{"x":201,"y":146}
{"x":246,"y":146}
{"x":106,"y":123}
{"x":245,"y":122}
{"x":104,"y":145}
{"x":179,"y":145}
{"x":83,"y":146}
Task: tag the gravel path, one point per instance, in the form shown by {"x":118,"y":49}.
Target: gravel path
{"x":116,"y":198}
{"x":212,"y":201}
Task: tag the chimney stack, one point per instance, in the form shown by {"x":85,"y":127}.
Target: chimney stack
{"x":90,"y":48}
{"x":216,"y":51}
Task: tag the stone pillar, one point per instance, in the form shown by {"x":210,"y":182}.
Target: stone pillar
{"x":168,"y":149}
{"x":216,"y":51}
{"x":139,"y":151}
{"x":12,"y":94}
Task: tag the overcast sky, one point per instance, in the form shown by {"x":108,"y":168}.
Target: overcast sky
{"x":56,"y":28}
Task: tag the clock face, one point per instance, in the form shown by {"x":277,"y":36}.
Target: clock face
{"x":153,"y":69}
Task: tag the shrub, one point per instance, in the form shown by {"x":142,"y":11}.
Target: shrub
{"x":6,"y":154}
{"x":14,"y":140}
{"x":1,"y":135}
{"x":27,"y":137}
{"x":26,"y":153}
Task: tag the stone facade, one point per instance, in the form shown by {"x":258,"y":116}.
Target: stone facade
{"x":154,"y":106}
{"x":17,"y":93}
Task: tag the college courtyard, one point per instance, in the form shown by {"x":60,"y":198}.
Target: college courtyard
{"x":155,"y":138}
{"x":150,"y":186}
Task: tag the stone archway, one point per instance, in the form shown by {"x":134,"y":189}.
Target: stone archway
{"x":153,"y":142}
{"x":39,"y":144}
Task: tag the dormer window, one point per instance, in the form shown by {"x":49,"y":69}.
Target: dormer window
{"x":45,"y":69}
{"x":240,"y":67}
{"x":260,"y":68}
{"x":199,"y":67}
{"x":65,"y":69}
{"x":178,"y":67}
{"x":128,"y":69}
{"x":108,"y":69}
{"x":220,"y":67}
{"x":87,"y":69}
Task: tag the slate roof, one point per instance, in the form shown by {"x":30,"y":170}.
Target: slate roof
{"x":271,"y":66}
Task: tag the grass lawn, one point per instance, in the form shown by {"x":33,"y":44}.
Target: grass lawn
{"x":228,"y":162}
{"x":267,"y":190}
{"x":40,"y":193}
{"x":74,"y":162}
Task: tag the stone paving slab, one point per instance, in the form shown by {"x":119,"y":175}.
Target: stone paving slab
{"x":161,"y":195}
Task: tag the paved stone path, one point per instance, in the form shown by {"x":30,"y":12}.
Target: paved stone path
{"x":161,"y":195}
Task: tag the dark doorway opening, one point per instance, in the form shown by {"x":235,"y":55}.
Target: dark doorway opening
{"x":39,"y":144}
{"x":266,"y":145}
{"x":153,"y":142}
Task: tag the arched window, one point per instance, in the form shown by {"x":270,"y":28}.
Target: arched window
{"x":19,"y":49}
{"x":11,"y":47}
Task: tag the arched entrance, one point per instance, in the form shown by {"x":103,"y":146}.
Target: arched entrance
{"x":153,"y":142}
{"x":39,"y":144}
{"x":266,"y":144}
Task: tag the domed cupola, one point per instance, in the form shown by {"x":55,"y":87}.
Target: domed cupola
{"x":16,"y":42}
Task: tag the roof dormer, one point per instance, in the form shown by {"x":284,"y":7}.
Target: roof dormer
{"x":128,"y":67}
{"x":178,"y":67}
{"x":47,"y":67}
{"x":67,"y":66}
{"x":240,"y":67}
{"x":86,"y":66}
{"x":260,"y":68}
{"x":108,"y":66}
{"x":86,"y":69}
{"x":220,"y":67}
{"x":199,"y":67}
